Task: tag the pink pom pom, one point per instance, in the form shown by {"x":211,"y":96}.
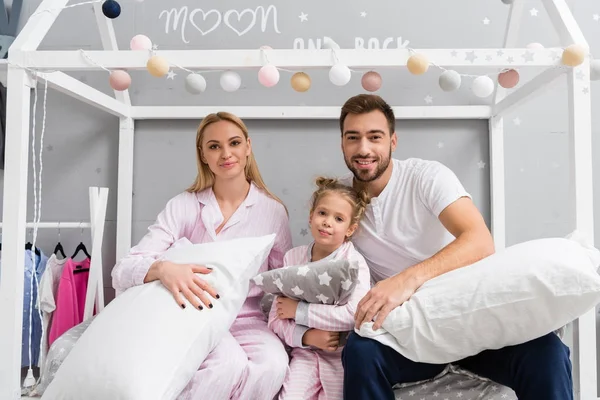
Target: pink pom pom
{"x":371,"y":81}
{"x":508,"y":79}
{"x":268,"y":75}
{"x":119,"y":80}
{"x":140,"y":42}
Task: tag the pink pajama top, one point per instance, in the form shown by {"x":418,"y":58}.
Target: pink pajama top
{"x":196,"y":216}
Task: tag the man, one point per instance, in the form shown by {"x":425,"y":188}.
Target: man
{"x":421,"y":223}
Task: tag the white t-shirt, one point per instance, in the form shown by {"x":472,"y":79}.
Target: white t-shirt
{"x":400,"y":227}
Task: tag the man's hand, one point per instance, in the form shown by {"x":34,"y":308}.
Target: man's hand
{"x":324,"y":340}
{"x":384,"y":297}
{"x":286,"y":308}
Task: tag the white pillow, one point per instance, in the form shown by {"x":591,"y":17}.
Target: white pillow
{"x":521,"y":293}
{"x":143,"y":345}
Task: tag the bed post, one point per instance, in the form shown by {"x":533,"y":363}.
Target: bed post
{"x":125,"y":186}
{"x":582,"y":205}
{"x":585,"y":374}
{"x":496,"y":140}
{"x":14,"y":218}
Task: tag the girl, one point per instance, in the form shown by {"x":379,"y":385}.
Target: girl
{"x":313,"y":330}
{"x":228,"y":200}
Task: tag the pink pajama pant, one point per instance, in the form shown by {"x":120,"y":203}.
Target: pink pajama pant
{"x":249,"y":363}
{"x":314,"y":375}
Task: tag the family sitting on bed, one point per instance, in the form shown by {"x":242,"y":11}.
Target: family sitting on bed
{"x":400,"y":223}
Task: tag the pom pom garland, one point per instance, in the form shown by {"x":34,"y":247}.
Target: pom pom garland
{"x":157,"y":66}
{"x":483,"y":86}
{"x":417,"y":64}
{"x":339,"y":74}
{"x":195,"y":83}
{"x":268,"y":75}
{"x":300,"y":82}
{"x":119,"y":80}
{"x":508,"y":79}
{"x":449,"y":81}
{"x":230,"y":81}
{"x":573,"y":55}
{"x":111,"y":9}
{"x":371,"y":81}
{"x":140,"y":42}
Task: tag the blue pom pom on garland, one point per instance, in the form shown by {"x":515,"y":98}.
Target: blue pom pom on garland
{"x":111,"y":9}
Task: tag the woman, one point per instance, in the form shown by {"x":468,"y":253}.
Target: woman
{"x":228,"y":200}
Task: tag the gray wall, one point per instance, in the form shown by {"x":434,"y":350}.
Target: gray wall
{"x":81,"y":142}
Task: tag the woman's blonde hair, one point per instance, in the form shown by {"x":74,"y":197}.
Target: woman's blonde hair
{"x":358,"y":199}
{"x":205,"y":177}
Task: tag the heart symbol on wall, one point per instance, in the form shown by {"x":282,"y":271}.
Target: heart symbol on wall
{"x":239,"y":18}
{"x":204,"y":15}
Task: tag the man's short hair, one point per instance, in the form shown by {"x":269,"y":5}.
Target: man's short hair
{"x":366,"y":103}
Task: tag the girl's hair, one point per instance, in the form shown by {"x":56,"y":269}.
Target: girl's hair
{"x":358,"y":199}
{"x":205,"y":177}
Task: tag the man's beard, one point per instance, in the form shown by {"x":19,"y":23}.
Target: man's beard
{"x":365,"y":176}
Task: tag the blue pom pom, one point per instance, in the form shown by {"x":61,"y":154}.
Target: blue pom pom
{"x":111,"y":9}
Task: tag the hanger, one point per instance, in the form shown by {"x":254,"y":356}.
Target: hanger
{"x":59,"y":246}
{"x":81,"y":247}
{"x":28,"y":246}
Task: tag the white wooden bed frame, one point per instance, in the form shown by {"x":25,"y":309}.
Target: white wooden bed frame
{"x":50,"y":64}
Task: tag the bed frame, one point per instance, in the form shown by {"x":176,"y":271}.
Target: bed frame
{"x":26,"y":65}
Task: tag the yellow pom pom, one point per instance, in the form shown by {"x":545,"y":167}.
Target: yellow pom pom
{"x":573,"y":55}
{"x":157,"y":66}
{"x":300,"y":82}
{"x":417,"y":64}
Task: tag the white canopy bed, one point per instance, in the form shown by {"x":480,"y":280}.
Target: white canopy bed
{"x":25,"y":63}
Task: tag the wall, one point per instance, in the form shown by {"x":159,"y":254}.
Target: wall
{"x":80,"y":143}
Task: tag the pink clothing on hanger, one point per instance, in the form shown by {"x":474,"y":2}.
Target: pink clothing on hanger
{"x":70,"y":299}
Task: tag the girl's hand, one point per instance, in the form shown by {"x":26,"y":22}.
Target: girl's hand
{"x":182,"y":281}
{"x":324,"y":340}
{"x":286,"y":308}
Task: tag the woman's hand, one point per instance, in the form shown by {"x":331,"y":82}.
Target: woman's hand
{"x":324,"y":340}
{"x":286,"y":308}
{"x":182,"y":281}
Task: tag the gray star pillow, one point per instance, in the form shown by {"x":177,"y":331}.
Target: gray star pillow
{"x":324,"y":282}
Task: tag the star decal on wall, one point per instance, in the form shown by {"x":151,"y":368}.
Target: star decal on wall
{"x":303,"y":232}
{"x":534,"y":12}
{"x":440,"y":145}
{"x":49,"y":147}
{"x":428,"y":99}
{"x":454,"y":53}
{"x":363,"y":14}
{"x":585,"y":90}
{"x":303,"y":17}
{"x":488,"y":58}
{"x":481,"y":164}
{"x":517,"y":121}
{"x":580,"y":75}
{"x":596,"y":17}
{"x":486,"y":21}
{"x":171,"y":75}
